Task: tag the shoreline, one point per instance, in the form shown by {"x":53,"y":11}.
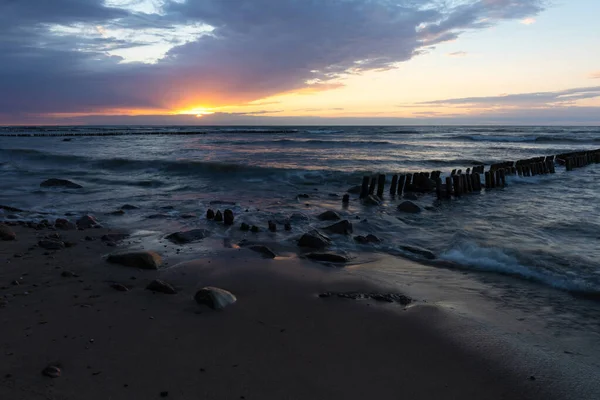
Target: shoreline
{"x":280,"y":340}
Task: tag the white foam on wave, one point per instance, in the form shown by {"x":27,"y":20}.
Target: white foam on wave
{"x":492,"y":259}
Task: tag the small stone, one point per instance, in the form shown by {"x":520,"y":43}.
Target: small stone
{"x":228,"y":217}
{"x":86,"y":222}
{"x":215,"y":298}
{"x":218,"y":216}
{"x":68,"y":274}
{"x":329,"y":216}
{"x":190,"y":236}
{"x":164,"y":394}
{"x":264,"y":250}
{"x":303,"y":196}
{"x":254,"y":229}
{"x":188,"y":216}
{"x":6,"y":233}
{"x":245,"y":227}
{"x":341,"y":228}
{"x":137,"y":259}
{"x":210,"y":214}
{"x":409,"y":207}
{"x":287,"y":226}
{"x":532,"y":378}
{"x":272,"y":226}
{"x":160,"y":286}
{"x":114,"y":237}
{"x":51,"y":244}
{"x":52,"y":371}
{"x":64,"y":224}
{"x":120,"y":288}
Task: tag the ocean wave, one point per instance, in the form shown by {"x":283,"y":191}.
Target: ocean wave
{"x":520,"y":139}
{"x":304,"y":142}
{"x":490,"y":259}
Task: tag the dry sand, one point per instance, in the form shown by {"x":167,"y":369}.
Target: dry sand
{"x":279,"y":341}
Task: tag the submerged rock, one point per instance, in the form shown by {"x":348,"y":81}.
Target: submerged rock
{"x":367,"y":239}
{"x":328,"y":257}
{"x":409,"y":207}
{"x":287,"y":226}
{"x":228,"y":217}
{"x":245,"y":227}
{"x":87,"y":221}
{"x":264,"y":250}
{"x":419,"y":250}
{"x":184,"y":237}
{"x":215,"y":298}
{"x":136,"y":259}
{"x":254,"y":229}
{"x":6,"y":233}
{"x":341,"y":228}
{"x":60,"y":183}
{"x":64,"y":224}
{"x":314,"y":240}
{"x":387,"y":297}
{"x":329,"y":216}
{"x":160,"y":286}
{"x":129,"y":207}
{"x":272,"y":226}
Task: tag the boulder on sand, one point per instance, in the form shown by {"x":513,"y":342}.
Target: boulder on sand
{"x":341,"y":228}
{"x":51,"y":244}
{"x":64,"y":224}
{"x":264,"y":250}
{"x":6,"y":233}
{"x":328,"y":257}
{"x":160,"y":286}
{"x":87,"y":221}
{"x":184,"y":237}
{"x":136,"y":259}
{"x":409,"y":207}
{"x":314,"y":239}
{"x":60,"y":183}
{"x":215,"y":298}
{"x":329,"y":216}
{"x":419,"y":250}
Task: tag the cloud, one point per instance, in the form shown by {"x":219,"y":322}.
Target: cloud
{"x":457,"y":54}
{"x":595,"y":75}
{"x":528,"y":21}
{"x":69,"y":55}
{"x":537,"y":99}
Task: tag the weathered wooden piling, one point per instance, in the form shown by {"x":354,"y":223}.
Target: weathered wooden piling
{"x":346,"y":199}
{"x":488,"y":180}
{"x":380,"y":185}
{"x":408,"y":183}
{"x":456,"y":183}
{"x":401,"y":181}
{"x":503,"y":177}
{"x":467,"y":183}
{"x":448,"y":187}
{"x":364,"y":190}
{"x":372,"y":185}
{"x":394,"y":185}
{"x":438,"y":188}
{"x":453,"y":172}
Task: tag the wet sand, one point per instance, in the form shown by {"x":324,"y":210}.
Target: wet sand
{"x":279,"y":341}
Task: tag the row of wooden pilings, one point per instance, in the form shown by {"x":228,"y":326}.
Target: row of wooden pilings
{"x":459,"y":183}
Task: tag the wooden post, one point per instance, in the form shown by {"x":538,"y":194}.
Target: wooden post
{"x":372,"y":185}
{"x":448,"y":187}
{"x":346,"y":199}
{"x":401,"y":184}
{"x":477,"y":181}
{"x":519,"y":171}
{"x":381,"y":185}
{"x":503,"y":177}
{"x":438,"y":188}
{"x":569,"y":164}
{"x":467,"y":183}
{"x":364,"y":190}
{"x":408,"y":182}
{"x":394,"y":185}
{"x":456,"y":182}
{"x":453,"y":172}
{"x":488,"y":180}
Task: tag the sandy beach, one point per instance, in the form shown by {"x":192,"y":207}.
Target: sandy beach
{"x":280,"y":340}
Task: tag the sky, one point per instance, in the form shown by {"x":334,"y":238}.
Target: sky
{"x":280,"y":62}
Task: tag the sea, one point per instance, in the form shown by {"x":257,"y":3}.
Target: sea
{"x":529,"y":251}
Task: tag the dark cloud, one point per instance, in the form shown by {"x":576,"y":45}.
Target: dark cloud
{"x":257,"y":48}
{"x":538,"y":99}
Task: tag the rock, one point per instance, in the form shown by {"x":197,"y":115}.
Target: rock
{"x":272,"y":226}
{"x":114,"y":237}
{"x":303,"y":196}
{"x":295,"y":217}
{"x":51,"y":244}
{"x":329,"y":216}
{"x":68,"y":274}
{"x":184,"y":237}
{"x":341,"y":228}
{"x":287,"y":226}
{"x":70,"y":244}
{"x":264,"y":250}
{"x":60,"y":183}
{"x":328,"y":257}
{"x":10,"y":209}
{"x":88,"y":238}
{"x":419,"y":250}
{"x":52,"y":371}
{"x":371,"y":200}
{"x":355,"y":189}
{"x":117,"y":212}
{"x":65,"y":225}
{"x":6,"y":233}
{"x":373,"y":239}
{"x":228,"y":217}
{"x":136,"y":259}
{"x":218,"y":216}
{"x":188,"y":216}
{"x":314,"y":240}
{"x":120,"y":288}
{"x":387,"y":297}
{"x":86,"y":222}
{"x":129,"y":207}
{"x":215,"y":298}
{"x":210,"y":214}
{"x":409,"y":207}
{"x":346,"y":199}
{"x":254,"y":229}
{"x":161,"y":286}
{"x":245,"y":227}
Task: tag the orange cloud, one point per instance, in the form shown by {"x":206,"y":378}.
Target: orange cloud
{"x":595,"y":75}
{"x":528,"y":21}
